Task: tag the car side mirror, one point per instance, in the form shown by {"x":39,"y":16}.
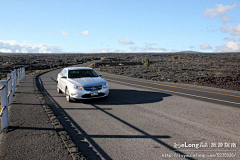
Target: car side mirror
{"x":100,"y":75}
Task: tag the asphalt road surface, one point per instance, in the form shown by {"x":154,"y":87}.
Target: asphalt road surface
{"x":151,"y":120}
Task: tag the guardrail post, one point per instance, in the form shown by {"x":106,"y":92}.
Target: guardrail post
{"x":13,"y":82}
{"x":10,"y":94}
{"x":4,"y":104}
{"x":21,"y":74}
{"x":23,"y":71}
{"x":18,"y":75}
{"x":15,"y":79}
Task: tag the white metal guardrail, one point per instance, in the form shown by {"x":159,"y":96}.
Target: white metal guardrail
{"x":7,"y":88}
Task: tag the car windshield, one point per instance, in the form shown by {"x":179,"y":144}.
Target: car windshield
{"x":81,"y":73}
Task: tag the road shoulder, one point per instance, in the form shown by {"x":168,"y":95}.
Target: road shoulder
{"x":31,"y":134}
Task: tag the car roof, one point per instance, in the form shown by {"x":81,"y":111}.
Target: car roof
{"x":77,"y":68}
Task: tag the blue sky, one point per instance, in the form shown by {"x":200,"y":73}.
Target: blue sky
{"x":97,"y":26}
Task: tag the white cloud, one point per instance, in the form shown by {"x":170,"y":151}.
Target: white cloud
{"x":5,"y":50}
{"x":235,"y":31}
{"x":173,"y":50}
{"x":134,"y":48}
{"x":150,"y":48}
{"x":220,"y":10}
{"x":226,"y":18}
{"x":105,"y":50}
{"x":12,"y":46}
{"x":229,"y":47}
{"x":65,"y":33}
{"x":205,"y":46}
{"x":191,"y":47}
{"x":131,"y":49}
{"x":147,"y":47}
{"x":151,"y":44}
{"x":85,"y":33}
{"x":125,"y":41}
{"x":229,"y":39}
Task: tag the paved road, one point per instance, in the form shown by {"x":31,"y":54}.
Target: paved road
{"x":149,"y":120}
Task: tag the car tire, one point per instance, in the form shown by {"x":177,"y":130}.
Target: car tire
{"x":68,"y":95}
{"x":58,"y":89}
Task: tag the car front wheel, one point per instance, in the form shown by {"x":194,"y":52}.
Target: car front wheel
{"x":58,"y":89}
{"x":68,"y":95}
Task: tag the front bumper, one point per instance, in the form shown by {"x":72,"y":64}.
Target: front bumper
{"x":83,"y":94}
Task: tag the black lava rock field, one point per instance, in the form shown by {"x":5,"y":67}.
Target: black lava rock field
{"x":220,"y":70}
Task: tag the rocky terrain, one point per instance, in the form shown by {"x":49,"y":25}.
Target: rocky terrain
{"x":221,"y":70}
{"x":32,"y":62}
{"x":205,"y":69}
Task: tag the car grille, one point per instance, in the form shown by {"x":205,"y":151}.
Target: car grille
{"x":93,"y":88}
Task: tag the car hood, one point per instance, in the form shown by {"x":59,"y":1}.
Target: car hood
{"x":87,"y":81}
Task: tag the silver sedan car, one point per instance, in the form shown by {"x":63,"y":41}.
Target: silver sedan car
{"x":81,"y":83}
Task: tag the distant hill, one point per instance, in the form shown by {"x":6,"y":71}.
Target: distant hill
{"x":188,"y":52}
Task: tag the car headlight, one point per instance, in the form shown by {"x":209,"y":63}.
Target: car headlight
{"x":105,"y":85}
{"x":77,"y":87}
